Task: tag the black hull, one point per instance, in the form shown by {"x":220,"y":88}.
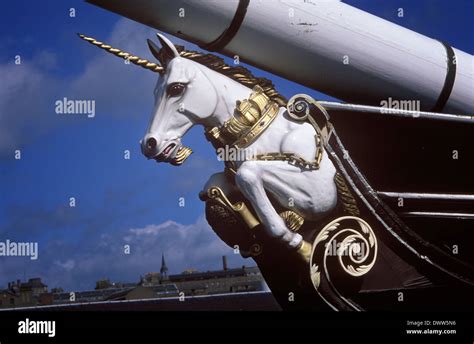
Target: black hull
{"x":409,"y":154}
{"x":413,"y":155}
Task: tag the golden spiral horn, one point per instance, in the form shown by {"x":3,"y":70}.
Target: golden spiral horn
{"x":154,"y":67}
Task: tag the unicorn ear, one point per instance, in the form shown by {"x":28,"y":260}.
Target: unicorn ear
{"x":168,"y":51}
{"x":155,"y":50}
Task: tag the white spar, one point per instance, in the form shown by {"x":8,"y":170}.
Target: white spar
{"x":324,"y":44}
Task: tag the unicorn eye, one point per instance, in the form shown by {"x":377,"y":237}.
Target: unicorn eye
{"x":175,"y":89}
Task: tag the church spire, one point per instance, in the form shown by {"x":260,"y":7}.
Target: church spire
{"x":164,"y":268}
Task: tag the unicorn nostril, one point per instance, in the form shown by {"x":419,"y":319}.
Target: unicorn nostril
{"x":151,"y":143}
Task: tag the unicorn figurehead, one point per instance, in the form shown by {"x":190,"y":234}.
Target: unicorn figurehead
{"x":236,"y":109}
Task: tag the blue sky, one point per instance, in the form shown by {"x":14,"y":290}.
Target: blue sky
{"x":118,"y":201}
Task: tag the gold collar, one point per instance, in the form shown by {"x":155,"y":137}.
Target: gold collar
{"x":251,"y":117}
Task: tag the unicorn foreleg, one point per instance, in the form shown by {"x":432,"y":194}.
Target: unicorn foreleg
{"x":251,"y":186}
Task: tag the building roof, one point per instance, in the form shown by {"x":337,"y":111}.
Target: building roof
{"x":244,"y":271}
{"x":9,"y":292}
{"x":158,"y":290}
{"x":33,"y":283}
{"x":90,"y":294}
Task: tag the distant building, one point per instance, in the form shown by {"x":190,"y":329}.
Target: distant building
{"x":84,"y":296}
{"x":141,"y":292}
{"x":103,"y":284}
{"x":242,"y":279}
{"x":152,"y":285}
{"x":189,"y":271}
{"x":34,"y":286}
{"x":106,"y":284}
{"x":8,"y":298}
{"x":25,"y":294}
{"x":150,"y":279}
{"x":156,"y":278}
{"x":193,"y":282}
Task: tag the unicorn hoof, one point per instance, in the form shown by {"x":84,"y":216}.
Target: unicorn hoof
{"x":304,"y":251}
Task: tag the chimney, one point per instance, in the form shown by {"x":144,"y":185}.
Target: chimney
{"x":224,"y":263}
{"x":9,"y":285}
{"x":18,"y":282}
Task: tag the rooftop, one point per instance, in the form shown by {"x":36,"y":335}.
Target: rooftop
{"x":243,"y":271}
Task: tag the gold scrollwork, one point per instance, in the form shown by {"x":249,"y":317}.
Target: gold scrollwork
{"x":292,"y":220}
{"x":240,"y":208}
{"x":351,"y":242}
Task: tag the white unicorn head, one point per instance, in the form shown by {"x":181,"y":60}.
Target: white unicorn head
{"x":184,"y":96}
{"x":188,"y":93}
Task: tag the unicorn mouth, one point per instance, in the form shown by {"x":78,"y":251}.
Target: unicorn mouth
{"x":166,"y":153}
{"x":168,"y":149}
{"x":174,"y":153}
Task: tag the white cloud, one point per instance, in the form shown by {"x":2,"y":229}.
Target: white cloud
{"x":153,"y":229}
{"x":67,"y":265}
